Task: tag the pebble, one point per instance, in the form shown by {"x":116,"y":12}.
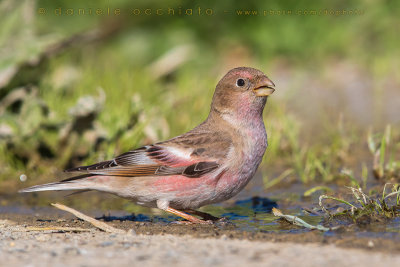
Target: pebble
{"x":224,"y":237}
{"x":42,"y":238}
{"x":72,"y":251}
{"x":106,"y":243}
{"x":23,"y":178}
{"x":131,"y":232}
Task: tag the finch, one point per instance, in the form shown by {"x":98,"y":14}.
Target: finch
{"x":209,"y":164}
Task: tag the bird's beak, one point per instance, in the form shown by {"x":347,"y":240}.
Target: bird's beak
{"x":264,"y":87}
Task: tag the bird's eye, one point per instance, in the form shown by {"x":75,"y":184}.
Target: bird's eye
{"x":240,"y":82}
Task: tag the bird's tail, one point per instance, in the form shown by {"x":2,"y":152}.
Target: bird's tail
{"x":81,"y":182}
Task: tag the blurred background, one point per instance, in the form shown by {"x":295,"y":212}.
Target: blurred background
{"x":82,"y":82}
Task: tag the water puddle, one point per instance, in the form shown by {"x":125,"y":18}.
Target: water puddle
{"x":250,"y":215}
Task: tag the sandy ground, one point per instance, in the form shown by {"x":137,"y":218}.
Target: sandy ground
{"x":21,"y":247}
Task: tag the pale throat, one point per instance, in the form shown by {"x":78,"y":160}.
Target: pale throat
{"x":247,"y":115}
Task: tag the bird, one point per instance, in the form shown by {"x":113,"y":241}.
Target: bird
{"x":209,"y":164}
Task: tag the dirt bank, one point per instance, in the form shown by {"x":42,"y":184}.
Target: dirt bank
{"x":19,"y":247}
{"x":165,"y":243}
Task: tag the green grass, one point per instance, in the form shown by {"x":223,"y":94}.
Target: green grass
{"x":365,"y":205}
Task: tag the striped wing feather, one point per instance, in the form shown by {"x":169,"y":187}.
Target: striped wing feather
{"x":149,"y":161}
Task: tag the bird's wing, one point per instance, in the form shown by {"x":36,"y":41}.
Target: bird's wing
{"x":172,"y":157}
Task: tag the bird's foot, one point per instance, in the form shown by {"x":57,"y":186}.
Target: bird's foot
{"x":188,"y":217}
{"x":205,"y":216}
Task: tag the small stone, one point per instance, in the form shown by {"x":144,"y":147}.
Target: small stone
{"x":23,"y":178}
{"x":42,"y":238}
{"x":127,"y":245}
{"x":106,"y":243}
{"x":340,"y":209}
{"x":131,"y":232}
{"x":142,"y":257}
{"x":83,"y":252}
{"x":72,"y":251}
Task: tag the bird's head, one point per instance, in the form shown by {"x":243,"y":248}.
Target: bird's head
{"x":242,"y":91}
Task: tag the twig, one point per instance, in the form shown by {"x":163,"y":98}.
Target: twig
{"x":101,"y":225}
{"x":57,"y":228}
{"x":322,"y":197}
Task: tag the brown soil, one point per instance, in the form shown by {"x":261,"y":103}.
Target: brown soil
{"x":155,"y":244}
{"x":344,"y":237}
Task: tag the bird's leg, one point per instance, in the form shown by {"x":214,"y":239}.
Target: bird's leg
{"x":204,"y":215}
{"x":186,"y":216}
